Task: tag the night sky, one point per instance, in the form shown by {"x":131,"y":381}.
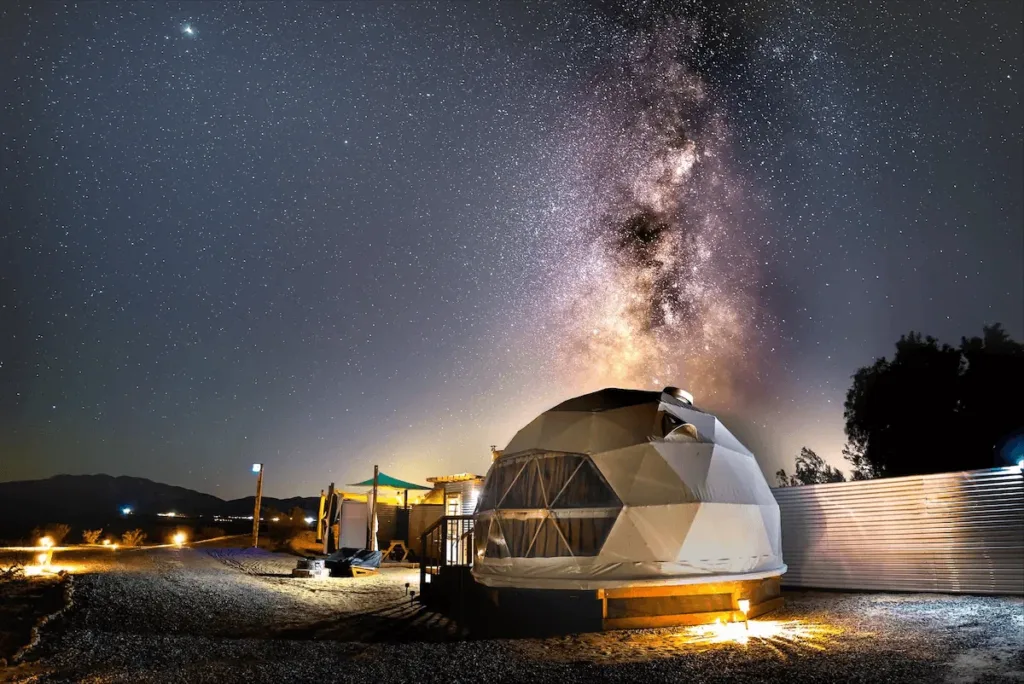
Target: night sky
{"x":331,"y":235}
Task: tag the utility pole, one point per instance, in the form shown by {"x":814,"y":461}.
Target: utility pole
{"x":258,"y":469}
{"x":328,"y":522}
{"x":320,"y":518}
{"x":371,"y":540}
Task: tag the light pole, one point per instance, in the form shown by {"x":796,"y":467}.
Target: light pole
{"x":258,"y":469}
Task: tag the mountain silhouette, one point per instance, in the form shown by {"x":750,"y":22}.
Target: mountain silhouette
{"x":92,"y":499}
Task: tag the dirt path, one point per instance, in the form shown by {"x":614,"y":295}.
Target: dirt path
{"x":222,"y":615}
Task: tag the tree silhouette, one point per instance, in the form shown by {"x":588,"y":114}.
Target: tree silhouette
{"x":810,"y":469}
{"x":935,"y":408}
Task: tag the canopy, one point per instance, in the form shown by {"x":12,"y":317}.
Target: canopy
{"x":388,"y":481}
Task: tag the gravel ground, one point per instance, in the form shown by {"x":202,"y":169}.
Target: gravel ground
{"x":221,"y":615}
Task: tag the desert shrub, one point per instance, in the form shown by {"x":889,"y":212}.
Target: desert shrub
{"x":133,"y":537}
{"x":13,"y":572}
{"x":55,"y":531}
{"x":211,"y":533}
{"x":91,"y":536}
{"x":280,"y":529}
{"x":303,"y":543}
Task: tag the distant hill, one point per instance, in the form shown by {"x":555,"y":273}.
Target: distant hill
{"x":83,"y":499}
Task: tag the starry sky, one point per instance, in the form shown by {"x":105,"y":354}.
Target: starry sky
{"x":324,"y":236}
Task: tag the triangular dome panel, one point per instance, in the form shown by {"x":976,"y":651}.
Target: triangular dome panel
{"x":640,"y":476}
{"x":625,"y":542}
{"x":663,"y":529}
{"x":735,"y":478}
{"x":746,"y":542}
{"x":691,"y":463}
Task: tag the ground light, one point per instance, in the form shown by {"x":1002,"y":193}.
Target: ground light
{"x":744,"y":605}
{"x":771,"y":633}
{"x":180,"y":538}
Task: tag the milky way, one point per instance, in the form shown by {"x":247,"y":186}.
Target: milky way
{"x":324,"y":236}
{"x":653,"y":282}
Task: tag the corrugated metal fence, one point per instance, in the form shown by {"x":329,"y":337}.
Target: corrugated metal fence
{"x":951,"y":532}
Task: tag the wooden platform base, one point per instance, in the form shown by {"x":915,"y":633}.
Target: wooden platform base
{"x":634,"y":607}
{"x":687,"y":604}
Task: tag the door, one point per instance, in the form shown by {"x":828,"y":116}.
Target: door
{"x":452,"y":507}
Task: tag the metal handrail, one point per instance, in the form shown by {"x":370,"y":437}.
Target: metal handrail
{"x":435,"y":549}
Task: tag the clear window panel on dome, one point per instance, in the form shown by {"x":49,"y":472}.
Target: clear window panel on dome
{"x":585,"y":535}
{"x":555,"y":470}
{"x":519,"y":534}
{"x":502,"y":475}
{"x":587,"y":489}
{"x":548,"y":542}
{"x":481,"y":530}
{"x":495,"y":546}
{"x":526,"y":491}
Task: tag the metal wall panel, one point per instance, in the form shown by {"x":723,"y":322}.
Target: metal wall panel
{"x":470,"y":491}
{"x":950,"y":532}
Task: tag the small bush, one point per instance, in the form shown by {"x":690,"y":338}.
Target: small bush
{"x":91,"y":536}
{"x":16,"y":571}
{"x":304,"y":543}
{"x":55,"y":531}
{"x":133,"y":537}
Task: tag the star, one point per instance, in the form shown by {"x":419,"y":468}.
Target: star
{"x":188,"y":30}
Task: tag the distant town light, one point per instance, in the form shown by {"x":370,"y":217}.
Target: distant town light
{"x":106,"y":542}
{"x":127,"y":510}
{"x":46,"y":542}
{"x":257,"y":467}
{"x":168,"y":514}
{"x":310,"y":519}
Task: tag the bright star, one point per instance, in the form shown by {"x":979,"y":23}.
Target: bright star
{"x":188,"y":30}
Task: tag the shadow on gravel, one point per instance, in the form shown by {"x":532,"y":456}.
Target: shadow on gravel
{"x":404,"y":621}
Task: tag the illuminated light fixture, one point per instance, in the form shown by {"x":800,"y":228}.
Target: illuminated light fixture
{"x":310,"y":520}
{"x":1020,"y":463}
{"x":180,"y":538}
{"x":46,"y":542}
{"x":127,"y":510}
{"x":113,"y":546}
{"x":274,"y":519}
{"x":42,"y":558}
{"x":106,"y":542}
{"x":744,"y":605}
{"x":257,"y":467}
{"x":169,"y":514}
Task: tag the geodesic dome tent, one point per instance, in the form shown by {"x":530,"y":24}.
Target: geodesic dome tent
{"x":625,"y":487}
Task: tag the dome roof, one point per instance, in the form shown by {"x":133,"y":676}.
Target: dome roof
{"x":622,"y":487}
